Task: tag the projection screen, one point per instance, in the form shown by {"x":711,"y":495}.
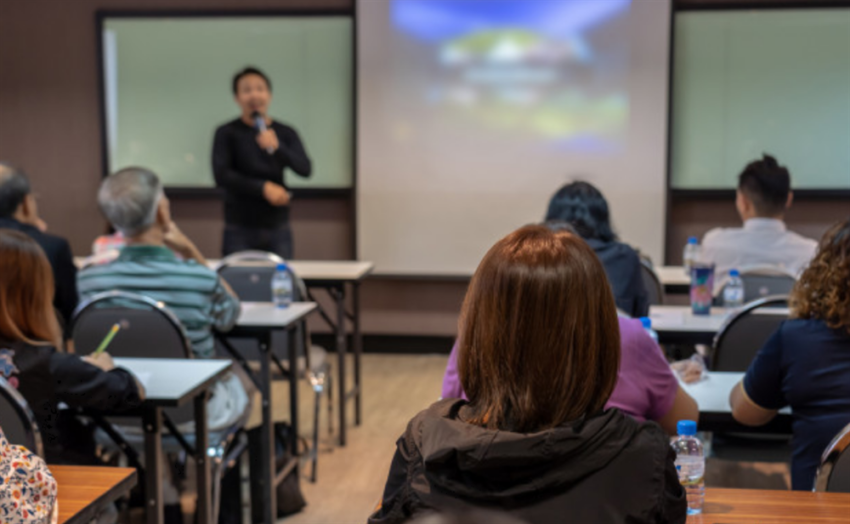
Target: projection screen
{"x":472,"y":113}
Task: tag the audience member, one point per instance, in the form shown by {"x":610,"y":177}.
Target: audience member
{"x":584,"y":207}
{"x":806,"y":363}
{"x":19,"y":211}
{"x":134,"y":203}
{"x":538,"y":356}
{"x":31,"y":357}
{"x":764,"y":194}
{"x":27,"y":488}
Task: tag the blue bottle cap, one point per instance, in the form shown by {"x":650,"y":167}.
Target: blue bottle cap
{"x":647,"y":322}
{"x":281,"y":267}
{"x":686,"y":428}
{"x":734,"y":273}
{"x":693,"y":240}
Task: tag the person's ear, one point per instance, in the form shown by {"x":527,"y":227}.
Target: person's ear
{"x":163,"y":213}
{"x":790,"y":200}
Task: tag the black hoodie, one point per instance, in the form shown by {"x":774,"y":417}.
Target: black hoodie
{"x":606,"y":469}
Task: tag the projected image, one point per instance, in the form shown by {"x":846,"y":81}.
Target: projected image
{"x":549,"y":71}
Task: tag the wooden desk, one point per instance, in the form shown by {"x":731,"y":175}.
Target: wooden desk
{"x":678,"y":324}
{"x":674,"y":279}
{"x":84,"y":491}
{"x":750,"y":506}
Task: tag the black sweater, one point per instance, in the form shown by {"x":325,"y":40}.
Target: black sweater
{"x":609,"y":469}
{"x":241,"y":168}
{"x":45,"y":377}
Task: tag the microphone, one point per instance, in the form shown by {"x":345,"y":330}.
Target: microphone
{"x":260,"y":126}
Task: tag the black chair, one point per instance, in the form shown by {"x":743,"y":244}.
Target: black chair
{"x":17,"y":419}
{"x":150,"y":330}
{"x":249,"y":274}
{"x":834,"y":471}
{"x":651,"y":282}
{"x":745,"y":332}
{"x":761,"y":282}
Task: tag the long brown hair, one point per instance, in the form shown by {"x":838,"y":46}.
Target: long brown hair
{"x":26,"y":292}
{"x":823,"y":291}
{"x":539,"y":339}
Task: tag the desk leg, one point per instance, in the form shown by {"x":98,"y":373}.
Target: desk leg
{"x":358,"y":352}
{"x":263,"y":492}
{"x":341,"y":350}
{"x":294,"y":376}
{"x":152,"y":425}
{"x":202,"y":460}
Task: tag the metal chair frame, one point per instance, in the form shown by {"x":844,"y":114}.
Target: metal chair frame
{"x":222,"y":459}
{"x":729,"y":323}
{"x":647,"y":269}
{"x":27,"y":418}
{"x":320,"y":379}
{"x":834,"y":451}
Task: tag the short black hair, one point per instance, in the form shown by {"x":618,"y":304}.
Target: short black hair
{"x":583,"y":206}
{"x":250,"y":70}
{"x":767,"y":184}
{"x":14,"y":187}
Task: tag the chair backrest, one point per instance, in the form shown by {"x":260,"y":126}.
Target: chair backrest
{"x":651,"y":282}
{"x":249,"y":274}
{"x":834,"y":470}
{"x":762,"y":281}
{"x":148,"y":328}
{"x":17,"y":419}
{"x":745,"y":332}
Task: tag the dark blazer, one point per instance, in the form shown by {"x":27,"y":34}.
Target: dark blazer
{"x":607,"y":469}
{"x":61,"y":260}
{"x":622,"y":265}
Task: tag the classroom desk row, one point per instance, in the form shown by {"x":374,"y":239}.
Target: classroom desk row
{"x":85,"y":491}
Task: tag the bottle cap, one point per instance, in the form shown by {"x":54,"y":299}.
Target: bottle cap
{"x":693,"y":240}
{"x":734,"y":273}
{"x":647,"y":322}
{"x":686,"y":428}
{"x":282,"y":267}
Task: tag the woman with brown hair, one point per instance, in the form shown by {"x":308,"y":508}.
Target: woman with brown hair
{"x":32,"y":360}
{"x":538,"y":358}
{"x":806,"y":363}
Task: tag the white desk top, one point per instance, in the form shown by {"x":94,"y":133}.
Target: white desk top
{"x":682,"y":319}
{"x":173,"y":381}
{"x":673,"y":276}
{"x":266,"y":315}
{"x":712,"y":393}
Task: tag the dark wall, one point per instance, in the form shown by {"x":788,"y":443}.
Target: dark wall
{"x":49,"y":125}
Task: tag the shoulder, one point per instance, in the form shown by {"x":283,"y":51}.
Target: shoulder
{"x":719,"y":234}
{"x":802,"y":241}
{"x":227,"y":128}
{"x":282,"y":127}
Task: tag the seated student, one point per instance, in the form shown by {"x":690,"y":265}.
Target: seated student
{"x":134,"y":203}
{"x":806,"y":363}
{"x":31,"y":357}
{"x":764,"y":193}
{"x":27,"y":488}
{"x":538,"y":357}
{"x":19,"y":211}
{"x":581,"y":205}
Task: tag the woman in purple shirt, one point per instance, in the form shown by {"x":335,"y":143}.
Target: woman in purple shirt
{"x":646,"y":387}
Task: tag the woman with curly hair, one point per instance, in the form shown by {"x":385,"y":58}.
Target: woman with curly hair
{"x":806,"y":363}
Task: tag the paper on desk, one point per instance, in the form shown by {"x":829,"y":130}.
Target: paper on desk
{"x":144,"y":377}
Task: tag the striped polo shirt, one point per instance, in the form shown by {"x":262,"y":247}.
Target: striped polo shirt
{"x":191,"y":291}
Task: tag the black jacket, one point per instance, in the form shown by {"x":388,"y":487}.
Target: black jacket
{"x":608,"y":470}
{"x":46,"y":377}
{"x":622,"y":265}
{"x":61,"y":260}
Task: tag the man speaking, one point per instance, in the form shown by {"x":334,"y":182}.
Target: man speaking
{"x":250,"y":155}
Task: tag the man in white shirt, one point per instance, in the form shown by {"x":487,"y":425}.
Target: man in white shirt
{"x":764,"y":193}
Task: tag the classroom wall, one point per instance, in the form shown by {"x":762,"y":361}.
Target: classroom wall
{"x":49,"y":125}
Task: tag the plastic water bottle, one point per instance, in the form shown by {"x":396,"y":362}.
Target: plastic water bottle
{"x":733,"y":292}
{"x":691,"y":255}
{"x":282,"y":287}
{"x":647,"y":326}
{"x":690,"y":464}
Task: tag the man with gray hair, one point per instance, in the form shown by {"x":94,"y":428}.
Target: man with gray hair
{"x":134,"y":203}
{"x":19,"y":211}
